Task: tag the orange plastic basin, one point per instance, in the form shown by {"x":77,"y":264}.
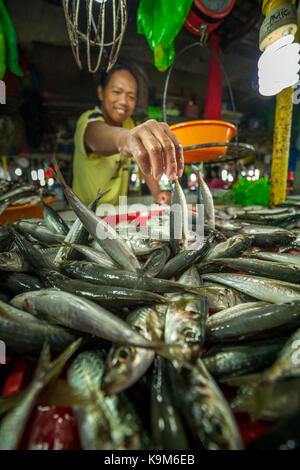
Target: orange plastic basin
{"x":32,"y":211}
{"x":203,"y":132}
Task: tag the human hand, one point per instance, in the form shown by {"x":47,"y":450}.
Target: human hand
{"x":155,"y":148}
{"x":163,"y":197}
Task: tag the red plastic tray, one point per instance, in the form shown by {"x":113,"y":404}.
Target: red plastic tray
{"x":35,"y":211}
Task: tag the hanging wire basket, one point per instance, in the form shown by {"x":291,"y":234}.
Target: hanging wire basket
{"x":96,"y":29}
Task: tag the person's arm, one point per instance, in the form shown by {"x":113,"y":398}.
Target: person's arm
{"x":152,"y":144}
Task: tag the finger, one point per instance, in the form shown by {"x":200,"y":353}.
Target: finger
{"x":168,"y":148}
{"x":141,"y":155}
{"x":163,"y":198}
{"x":154,"y":150}
{"x":178,"y":149}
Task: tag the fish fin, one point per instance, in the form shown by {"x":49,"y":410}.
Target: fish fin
{"x":247,"y":398}
{"x":9,"y":402}
{"x":43,"y":362}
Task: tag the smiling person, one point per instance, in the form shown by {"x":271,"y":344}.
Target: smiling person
{"x":106,"y":140}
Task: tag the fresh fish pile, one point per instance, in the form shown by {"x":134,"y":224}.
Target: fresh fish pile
{"x":156,"y":329}
{"x":18,"y":194}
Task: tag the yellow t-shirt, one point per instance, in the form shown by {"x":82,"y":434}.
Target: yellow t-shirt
{"x":92,"y":172}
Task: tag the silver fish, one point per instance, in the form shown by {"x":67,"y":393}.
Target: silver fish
{"x":15,"y":192}
{"x":14,"y":262}
{"x":205,"y":409}
{"x":209,"y":208}
{"x":25,"y":334}
{"x":77,"y":234}
{"x":103,"y":425}
{"x":53,"y":220}
{"x":95,"y":256}
{"x":268,"y":236}
{"x":125,"y":365}
{"x":186,"y":258}
{"x":81,"y":314}
{"x":40,"y":233}
{"x":178,"y":220}
{"x":279,"y":257}
{"x":269,"y":290}
{"x":234,"y":246}
{"x":185,"y":322}
{"x":106,"y":236}
{"x":233,"y":360}
{"x":253,"y":320}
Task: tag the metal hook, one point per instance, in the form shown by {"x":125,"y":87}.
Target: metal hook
{"x":204,"y":35}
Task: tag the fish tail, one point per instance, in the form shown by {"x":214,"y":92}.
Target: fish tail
{"x":47,"y":370}
{"x":58,"y":174}
{"x":248,"y":398}
{"x":100,"y":195}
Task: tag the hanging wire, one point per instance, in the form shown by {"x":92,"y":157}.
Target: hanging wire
{"x":102,"y":30}
{"x":186,"y":48}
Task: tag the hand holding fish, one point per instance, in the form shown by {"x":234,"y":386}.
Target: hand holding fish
{"x":155,"y":148}
{"x":152,"y":144}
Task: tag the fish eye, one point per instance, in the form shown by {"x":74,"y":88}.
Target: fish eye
{"x":188,"y":333}
{"x":121,"y":356}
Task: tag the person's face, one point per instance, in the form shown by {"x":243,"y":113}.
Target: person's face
{"x":118,"y":98}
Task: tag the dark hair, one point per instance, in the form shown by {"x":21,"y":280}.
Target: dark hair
{"x":105,"y":76}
